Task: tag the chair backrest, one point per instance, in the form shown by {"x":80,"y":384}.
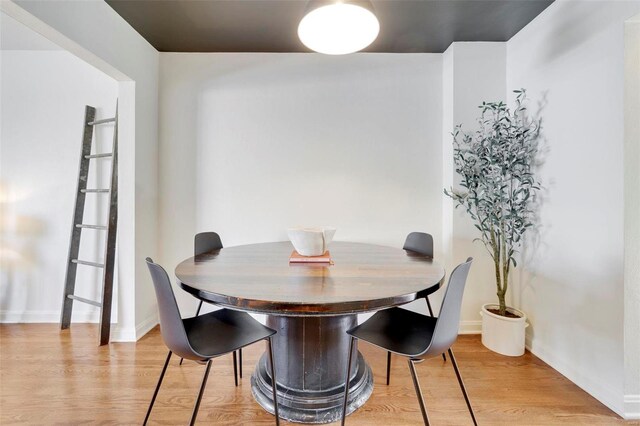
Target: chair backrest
{"x":171,"y":325}
{"x":448,"y":323}
{"x":419,"y":242}
{"x":204,"y":242}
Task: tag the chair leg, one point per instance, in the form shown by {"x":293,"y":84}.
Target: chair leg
{"x":274,"y":385}
{"x":444,"y":357}
{"x":197,"y":313}
{"x":240,"y":362}
{"x":346,"y":380}
{"x":235,"y":368}
{"x":202,"y":386}
{"x":429,"y":306}
{"x":155,"y":393}
{"x":199,"y":307}
{"x":464,"y":390}
{"x":388,"y":367}
{"x":416,"y":384}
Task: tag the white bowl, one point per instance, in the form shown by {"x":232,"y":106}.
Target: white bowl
{"x":311,"y":241}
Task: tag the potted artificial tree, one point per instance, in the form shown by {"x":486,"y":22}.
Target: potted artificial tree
{"x":497,"y":188}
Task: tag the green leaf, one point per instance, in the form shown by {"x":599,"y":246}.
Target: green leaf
{"x":496,"y":164}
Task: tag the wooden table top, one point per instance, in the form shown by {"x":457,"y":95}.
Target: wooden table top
{"x":259,"y":278}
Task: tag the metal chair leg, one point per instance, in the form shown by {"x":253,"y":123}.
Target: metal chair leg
{"x":464,"y":390}
{"x":346,"y":380}
{"x":198,"y":310}
{"x":202,"y":386}
{"x":416,"y":384}
{"x":429,"y":306}
{"x":197,"y":313}
{"x":235,"y":368}
{"x":444,"y":357}
{"x":388,"y":367}
{"x":155,"y":393}
{"x":240,"y":362}
{"x":273,"y":381}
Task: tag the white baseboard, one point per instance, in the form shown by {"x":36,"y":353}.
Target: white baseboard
{"x":470,"y":327}
{"x":598,"y":390}
{"x":12,"y":317}
{"x":632,"y":407}
{"x":123,"y":334}
{"x":146,"y":326}
{"x":133,"y":334}
{"x":118,"y":333}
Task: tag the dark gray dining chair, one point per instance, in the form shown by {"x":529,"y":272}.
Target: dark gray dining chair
{"x":204,"y":337}
{"x":206,"y":242}
{"x":415,"y":336}
{"x":418,"y":242}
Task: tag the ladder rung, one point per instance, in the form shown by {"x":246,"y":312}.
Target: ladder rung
{"x":83,"y":300}
{"x":84,"y":262}
{"x":82,"y":225}
{"x":106,"y":154}
{"x":102,"y":191}
{"x":106,"y":120}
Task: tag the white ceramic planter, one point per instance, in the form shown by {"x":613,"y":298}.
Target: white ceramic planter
{"x":501,"y":334}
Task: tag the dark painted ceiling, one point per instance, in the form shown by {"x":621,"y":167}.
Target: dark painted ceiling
{"x":271,"y":25}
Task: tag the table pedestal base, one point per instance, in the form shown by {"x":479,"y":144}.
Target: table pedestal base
{"x":311,"y":360}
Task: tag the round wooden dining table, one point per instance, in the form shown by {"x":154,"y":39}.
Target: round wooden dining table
{"x":311,"y":306}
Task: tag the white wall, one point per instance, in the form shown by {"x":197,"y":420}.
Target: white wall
{"x":632,"y":218}
{"x":473,"y":73}
{"x":43,"y":97}
{"x":570,"y":58}
{"x":93,"y":31}
{"x":254,"y":143}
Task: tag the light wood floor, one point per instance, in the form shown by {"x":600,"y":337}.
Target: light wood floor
{"x":49,"y":377}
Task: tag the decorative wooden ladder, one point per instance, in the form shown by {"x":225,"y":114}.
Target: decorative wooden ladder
{"x":78,"y":226}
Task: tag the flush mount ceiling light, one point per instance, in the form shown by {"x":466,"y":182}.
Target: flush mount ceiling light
{"x":338,"y":27}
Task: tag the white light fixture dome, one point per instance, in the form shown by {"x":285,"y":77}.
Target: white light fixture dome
{"x":339,"y":28}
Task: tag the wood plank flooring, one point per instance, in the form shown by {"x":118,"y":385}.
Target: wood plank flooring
{"x":53,"y":377}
